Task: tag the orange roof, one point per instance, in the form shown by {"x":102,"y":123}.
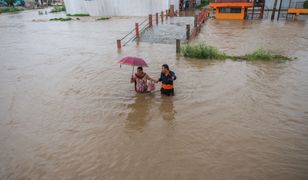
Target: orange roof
{"x":297,"y":11}
{"x":231,"y":4}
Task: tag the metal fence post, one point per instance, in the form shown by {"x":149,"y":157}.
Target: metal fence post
{"x":187,"y":31}
{"x":137,"y":30}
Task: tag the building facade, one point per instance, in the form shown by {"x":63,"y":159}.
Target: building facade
{"x":119,"y":7}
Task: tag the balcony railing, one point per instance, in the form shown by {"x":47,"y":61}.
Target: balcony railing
{"x":297,"y":5}
{"x":231,"y":1}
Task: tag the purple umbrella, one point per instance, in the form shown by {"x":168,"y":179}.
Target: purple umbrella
{"x":133,"y":61}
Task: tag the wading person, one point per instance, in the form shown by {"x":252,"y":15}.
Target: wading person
{"x":140,"y":79}
{"x":166,"y":78}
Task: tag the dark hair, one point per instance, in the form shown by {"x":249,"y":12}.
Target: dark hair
{"x":165,"y":66}
{"x":140,"y":68}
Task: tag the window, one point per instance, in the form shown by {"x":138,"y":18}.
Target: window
{"x":230,"y":10}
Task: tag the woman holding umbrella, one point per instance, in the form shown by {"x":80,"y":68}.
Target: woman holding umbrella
{"x":140,"y":79}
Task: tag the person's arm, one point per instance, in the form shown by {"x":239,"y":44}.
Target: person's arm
{"x":149,"y":78}
{"x":171,"y":76}
{"x":160,"y":79}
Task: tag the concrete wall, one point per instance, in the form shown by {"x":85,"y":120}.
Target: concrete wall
{"x":29,"y":3}
{"x":118,"y":7}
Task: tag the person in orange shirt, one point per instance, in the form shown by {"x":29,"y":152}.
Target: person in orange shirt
{"x":166,"y":78}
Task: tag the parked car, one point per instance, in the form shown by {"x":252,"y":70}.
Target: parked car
{"x":19,"y":3}
{"x":3,"y":3}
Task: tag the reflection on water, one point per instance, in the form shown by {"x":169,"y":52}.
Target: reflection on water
{"x":166,"y":108}
{"x":138,"y":117}
{"x":67,"y":111}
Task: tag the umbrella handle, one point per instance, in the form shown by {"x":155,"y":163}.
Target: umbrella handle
{"x":133,"y":71}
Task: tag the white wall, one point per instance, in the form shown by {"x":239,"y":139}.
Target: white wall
{"x":75,"y":6}
{"x":118,"y":7}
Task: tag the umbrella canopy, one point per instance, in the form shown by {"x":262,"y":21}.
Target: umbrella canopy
{"x":133,"y":61}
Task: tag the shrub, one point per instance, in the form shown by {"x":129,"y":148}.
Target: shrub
{"x":78,"y":14}
{"x":306,"y":4}
{"x":261,"y":54}
{"x":203,"y":3}
{"x":10,"y":10}
{"x":10,"y":2}
{"x":61,"y":19}
{"x":202,"y":51}
{"x":102,"y":18}
{"x":58,"y":8}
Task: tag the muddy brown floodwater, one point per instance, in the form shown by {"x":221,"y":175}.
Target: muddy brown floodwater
{"x":68,"y":111}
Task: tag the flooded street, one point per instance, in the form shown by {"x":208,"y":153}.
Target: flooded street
{"x":68,"y":111}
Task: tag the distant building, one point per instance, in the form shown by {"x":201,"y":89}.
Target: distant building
{"x":239,"y":9}
{"x":30,"y":3}
{"x":119,"y":7}
{"x":35,"y":3}
{"x":269,"y":4}
{"x":232,"y":9}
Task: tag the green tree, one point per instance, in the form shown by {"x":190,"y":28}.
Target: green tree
{"x":306,"y":4}
{"x":10,"y":2}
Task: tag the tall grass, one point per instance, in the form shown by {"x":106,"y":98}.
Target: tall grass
{"x":10,"y":10}
{"x":261,"y":54}
{"x":58,"y":8}
{"x":61,"y":19}
{"x":203,"y":3}
{"x":102,"y":18}
{"x":80,"y":14}
{"x":202,"y":51}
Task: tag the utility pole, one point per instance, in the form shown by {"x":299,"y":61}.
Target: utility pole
{"x":274,"y":10}
{"x":289,"y":7}
{"x":253,"y":9}
{"x":279,"y":10}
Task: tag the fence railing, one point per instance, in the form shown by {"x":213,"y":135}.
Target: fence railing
{"x":200,"y":18}
{"x":145,"y":24}
{"x":231,"y":1}
{"x":135,"y":33}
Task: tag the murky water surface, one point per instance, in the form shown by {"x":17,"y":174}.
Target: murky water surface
{"x":68,"y":111}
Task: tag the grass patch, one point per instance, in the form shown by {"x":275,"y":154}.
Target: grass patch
{"x":10,"y":10}
{"x":102,"y":18}
{"x":61,"y":19}
{"x":80,"y":15}
{"x":58,"y":8}
{"x":203,"y":3}
{"x":202,"y":51}
{"x":261,"y":54}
